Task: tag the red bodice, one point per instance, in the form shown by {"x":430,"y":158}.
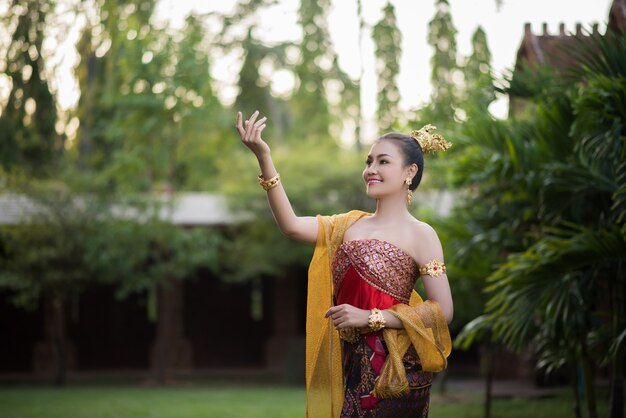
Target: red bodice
{"x":373,"y":274}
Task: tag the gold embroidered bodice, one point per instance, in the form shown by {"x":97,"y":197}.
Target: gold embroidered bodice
{"x":379,"y":263}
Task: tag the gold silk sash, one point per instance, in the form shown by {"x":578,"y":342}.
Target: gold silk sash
{"x":324,"y":378}
{"x":425,"y":328}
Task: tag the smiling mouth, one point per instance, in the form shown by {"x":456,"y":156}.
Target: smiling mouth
{"x":373,"y":181}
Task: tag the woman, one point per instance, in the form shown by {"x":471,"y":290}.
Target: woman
{"x":372,"y":343}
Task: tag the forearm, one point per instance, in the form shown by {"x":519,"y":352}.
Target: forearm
{"x":280,"y":205}
{"x":300,"y":228}
{"x":392,"y":321}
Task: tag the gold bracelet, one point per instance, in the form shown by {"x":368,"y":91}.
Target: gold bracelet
{"x":376,"y":320}
{"x":269,"y":184}
{"x":350,"y":335}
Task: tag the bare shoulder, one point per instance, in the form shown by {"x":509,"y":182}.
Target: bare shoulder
{"x":425,"y":243}
{"x":423,"y":231}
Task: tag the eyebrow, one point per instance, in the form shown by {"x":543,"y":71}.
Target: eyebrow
{"x":380,"y":155}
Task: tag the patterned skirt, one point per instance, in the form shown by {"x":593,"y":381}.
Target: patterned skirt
{"x":360,"y":376}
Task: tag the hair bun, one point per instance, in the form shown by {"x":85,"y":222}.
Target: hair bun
{"x":429,"y":140}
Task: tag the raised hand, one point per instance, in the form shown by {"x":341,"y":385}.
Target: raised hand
{"x":250,"y":133}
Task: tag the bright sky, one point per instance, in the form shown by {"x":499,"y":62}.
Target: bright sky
{"x":504,"y":28}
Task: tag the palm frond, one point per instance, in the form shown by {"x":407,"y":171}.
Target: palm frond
{"x":477,"y":330}
{"x":542,"y":287}
{"x":604,"y":55}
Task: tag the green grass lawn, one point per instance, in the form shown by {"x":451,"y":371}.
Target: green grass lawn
{"x":232,"y":401}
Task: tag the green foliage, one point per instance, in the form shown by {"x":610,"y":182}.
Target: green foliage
{"x":545,"y":206}
{"x":552,"y":281}
{"x":28,"y":139}
{"x":72,"y":241}
{"x":388,"y":39}
{"x":479,"y":88}
{"x":324,"y":96}
{"x":312,"y":117}
{"x":139,"y":256}
{"x":45,"y":254}
{"x":149,"y":118}
{"x":445,"y":73}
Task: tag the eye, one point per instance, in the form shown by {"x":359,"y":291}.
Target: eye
{"x":384,"y":161}
{"x":368,"y":162}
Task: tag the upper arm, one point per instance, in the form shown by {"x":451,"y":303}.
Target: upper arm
{"x":437,"y":288}
{"x":304,"y":228}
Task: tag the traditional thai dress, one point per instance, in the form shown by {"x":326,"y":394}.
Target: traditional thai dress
{"x":371,"y":274}
{"x":382,"y":374}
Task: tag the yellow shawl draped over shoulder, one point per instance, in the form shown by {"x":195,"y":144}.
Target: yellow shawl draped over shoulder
{"x":424,"y":327}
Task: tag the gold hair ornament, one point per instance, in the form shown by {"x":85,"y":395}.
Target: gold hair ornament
{"x":429,"y":140}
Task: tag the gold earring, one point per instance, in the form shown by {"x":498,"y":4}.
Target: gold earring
{"x":409,"y":192}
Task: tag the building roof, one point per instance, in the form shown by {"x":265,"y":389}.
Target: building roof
{"x":185,"y":209}
{"x":617,"y":16}
{"x":547,"y":49}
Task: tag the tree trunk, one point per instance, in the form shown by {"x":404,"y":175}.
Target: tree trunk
{"x":58,"y":339}
{"x":616,"y":388}
{"x":171,"y":350}
{"x":443,"y":380}
{"x":164,"y":332}
{"x":616,"y":396}
{"x":488,"y":367}
{"x":575,"y":384}
{"x":592,"y":411}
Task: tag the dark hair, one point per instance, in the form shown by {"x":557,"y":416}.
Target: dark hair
{"x":412,"y":154}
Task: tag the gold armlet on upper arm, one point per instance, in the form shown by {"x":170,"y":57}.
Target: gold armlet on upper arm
{"x":433,"y":268}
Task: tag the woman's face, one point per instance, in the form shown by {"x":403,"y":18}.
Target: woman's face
{"x":385,"y":171}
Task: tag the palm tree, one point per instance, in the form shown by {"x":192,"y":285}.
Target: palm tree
{"x":549,"y":192}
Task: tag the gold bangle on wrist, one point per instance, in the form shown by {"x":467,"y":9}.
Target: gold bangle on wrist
{"x":376,"y":320}
{"x":269,"y":184}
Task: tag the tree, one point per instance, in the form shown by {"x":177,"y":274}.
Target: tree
{"x":149,"y":118}
{"x":74,"y":241}
{"x":43,"y":258}
{"x":548,"y":194}
{"x":311,"y":108}
{"x":198,"y":124}
{"x":27,"y":123}
{"x":388,"y":39}
{"x":121,"y":117}
{"x":446,"y":77}
{"x":479,"y":88}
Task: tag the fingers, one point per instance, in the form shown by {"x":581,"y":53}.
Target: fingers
{"x":332,"y":310}
{"x":251,"y":129}
{"x":239,"y":126}
{"x":260,"y":122}
{"x":338,"y":315}
{"x":250,"y":125}
{"x":258,"y":132}
{"x":258,"y":128}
